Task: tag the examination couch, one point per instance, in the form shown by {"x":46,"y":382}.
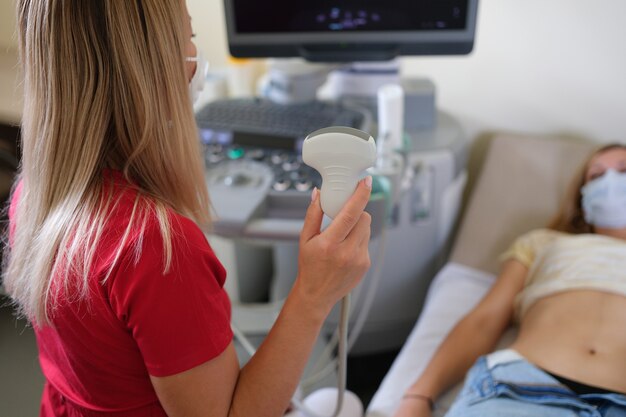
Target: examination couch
{"x":520,"y":186}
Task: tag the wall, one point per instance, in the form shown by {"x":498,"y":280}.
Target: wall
{"x":539,"y":66}
{"x":7,"y":25}
{"x":553,"y":66}
{"x":10,"y":94}
{"x":210,"y":29}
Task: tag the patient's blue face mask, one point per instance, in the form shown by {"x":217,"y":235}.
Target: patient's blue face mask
{"x":604,"y":200}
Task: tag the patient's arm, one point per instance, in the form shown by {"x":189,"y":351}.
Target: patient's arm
{"x":476,"y":334}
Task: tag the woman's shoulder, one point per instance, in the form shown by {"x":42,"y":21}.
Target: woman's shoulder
{"x":155,"y":226}
{"x":142,"y":227}
{"x":545,"y":235}
{"x":542,"y":235}
{"x":127,"y":202}
{"x":526,"y":247}
{"x":538,"y":239}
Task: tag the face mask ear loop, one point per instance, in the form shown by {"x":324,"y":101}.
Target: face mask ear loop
{"x":195,"y":59}
{"x":196,"y":84}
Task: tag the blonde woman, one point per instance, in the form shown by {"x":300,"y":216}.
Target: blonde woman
{"x":107,"y":258}
{"x":566,"y":288}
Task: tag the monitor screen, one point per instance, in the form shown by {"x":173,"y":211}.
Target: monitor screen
{"x":349,"y":30}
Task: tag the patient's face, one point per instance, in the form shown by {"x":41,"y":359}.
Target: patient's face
{"x":599,"y":164}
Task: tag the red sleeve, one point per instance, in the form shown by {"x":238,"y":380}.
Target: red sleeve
{"x":15,"y":198}
{"x":181,"y":319}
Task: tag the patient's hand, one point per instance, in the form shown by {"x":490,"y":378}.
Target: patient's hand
{"x":412,"y":407}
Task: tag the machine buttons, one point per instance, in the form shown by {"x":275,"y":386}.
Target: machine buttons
{"x":213,"y":154}
{"x":291,"y":164}
{"x":303,"y":185}
{"x":241,"y":174}
{"x":256,"y":154}
{"x":281,"y":184}
{"x":237,"y":180}
{"x":240,"y":166}
{"x":278,"y":158}
{"x":214,"y":148}
{"x":235,"y":153}
{"x":214,"y":158}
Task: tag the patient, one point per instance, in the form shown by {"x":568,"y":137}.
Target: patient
{"x":566,"y":288}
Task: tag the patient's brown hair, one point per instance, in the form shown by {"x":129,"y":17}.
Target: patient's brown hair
{"x":570,"y":217}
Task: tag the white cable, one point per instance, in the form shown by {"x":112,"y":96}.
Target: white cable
{"x":400,"y":162}
{"x":371,"y":292}
{"x":325,"y":362}
{"x":245,"y":343}
{"x":360,"y":319}
{"x":326,"y":358}
{"x":379,"y":259}
{"x":342,"y":363}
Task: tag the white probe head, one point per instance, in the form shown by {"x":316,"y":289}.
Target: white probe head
{"x":341,"y":155}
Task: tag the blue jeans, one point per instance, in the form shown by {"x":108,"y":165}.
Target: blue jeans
{"x":516,"y":388}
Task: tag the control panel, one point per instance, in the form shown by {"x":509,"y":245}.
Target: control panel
{"x":258,"y":184}
{"x":233,"y":151}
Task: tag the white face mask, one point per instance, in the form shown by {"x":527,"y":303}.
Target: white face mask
{"x":604,"y":200}
{"x":196,"y":85}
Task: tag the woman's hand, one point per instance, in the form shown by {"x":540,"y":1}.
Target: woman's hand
{"x":332,"y":263}
{"x":413,"y":407}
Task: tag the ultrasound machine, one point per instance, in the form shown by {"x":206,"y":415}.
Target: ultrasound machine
{"x":260,"y":188}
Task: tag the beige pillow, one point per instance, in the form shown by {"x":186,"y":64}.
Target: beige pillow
{"x":520,"y":187}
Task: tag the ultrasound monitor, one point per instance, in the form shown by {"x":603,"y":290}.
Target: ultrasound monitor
{"x":349,"y":30}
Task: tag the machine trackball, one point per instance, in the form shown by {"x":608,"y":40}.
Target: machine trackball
{"x":341,"y":155}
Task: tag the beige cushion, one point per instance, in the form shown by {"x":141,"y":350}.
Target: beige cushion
{"x":520,"y":188}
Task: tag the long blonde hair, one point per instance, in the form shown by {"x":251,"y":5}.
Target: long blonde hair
{"x":570,"y":217}
{"x":105,"y":88}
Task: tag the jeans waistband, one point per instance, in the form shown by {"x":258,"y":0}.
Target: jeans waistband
{"x":507,"y":371}
{"x":503,"y":356}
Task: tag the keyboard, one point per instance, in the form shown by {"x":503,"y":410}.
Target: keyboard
{"x":256,"y":115}
{"x":237,"y":132}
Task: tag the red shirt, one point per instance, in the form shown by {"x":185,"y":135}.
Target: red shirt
{"x":99,"y":353}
